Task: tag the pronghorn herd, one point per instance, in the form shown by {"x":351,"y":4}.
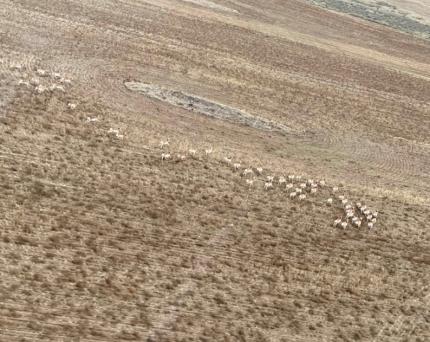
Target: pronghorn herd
{"x":295,"y":187}
{"x":41,"y":80}
{"x":356,"y":214}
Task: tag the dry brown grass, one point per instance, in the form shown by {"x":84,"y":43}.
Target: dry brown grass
{"x":102,"y":241}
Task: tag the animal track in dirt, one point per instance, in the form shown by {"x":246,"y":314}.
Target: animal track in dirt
{"x":205,"y":106}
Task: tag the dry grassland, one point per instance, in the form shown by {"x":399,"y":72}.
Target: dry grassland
{"x":101,"y":240}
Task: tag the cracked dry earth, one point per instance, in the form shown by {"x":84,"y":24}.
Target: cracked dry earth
{"x":101,"y":240}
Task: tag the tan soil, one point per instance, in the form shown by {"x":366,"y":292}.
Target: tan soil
{"x":100,"y":240}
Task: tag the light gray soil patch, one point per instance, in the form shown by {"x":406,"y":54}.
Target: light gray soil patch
{"x":212,"y":5}
{"x":379,"y":12}
{"x":206,"y":107}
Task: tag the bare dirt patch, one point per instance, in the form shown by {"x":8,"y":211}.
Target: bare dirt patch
{"x":212,"y":5}
{"x":205,"y":106}
{"x":382,"y":13}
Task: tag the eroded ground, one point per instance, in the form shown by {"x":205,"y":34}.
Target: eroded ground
{"x":407,"y":16}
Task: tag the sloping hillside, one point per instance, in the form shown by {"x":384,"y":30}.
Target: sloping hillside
{"x":103,"y":240}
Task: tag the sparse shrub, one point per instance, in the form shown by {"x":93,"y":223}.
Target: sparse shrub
{"x":22,"y":240}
